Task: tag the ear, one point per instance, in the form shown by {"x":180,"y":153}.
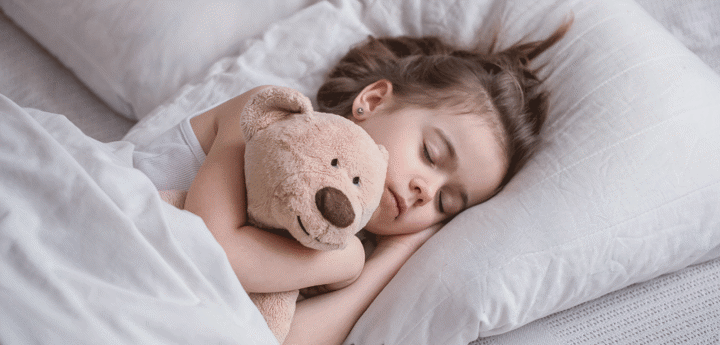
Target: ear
{"x":270,"y":105}
{"x":371,"y":97}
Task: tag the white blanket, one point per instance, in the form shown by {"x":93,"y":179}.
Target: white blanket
{"x":88,"y":254}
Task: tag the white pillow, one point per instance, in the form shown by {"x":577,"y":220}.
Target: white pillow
{"x":296,"y":52}
{"x":134,"y":54}
{"x":625,"y":188}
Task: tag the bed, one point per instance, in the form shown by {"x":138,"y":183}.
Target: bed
{"x":610,"y":235}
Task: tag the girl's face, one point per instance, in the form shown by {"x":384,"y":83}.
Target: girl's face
{"x":441,"y":162}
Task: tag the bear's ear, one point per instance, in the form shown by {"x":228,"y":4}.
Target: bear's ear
{"x":270,"y":105}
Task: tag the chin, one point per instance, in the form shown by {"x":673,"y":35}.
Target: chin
{"x":378,"y":226}
{"x":385,"y":230}
{"x":378,"y":229}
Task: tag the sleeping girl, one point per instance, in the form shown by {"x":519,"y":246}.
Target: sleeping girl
{"x":457,"y":123}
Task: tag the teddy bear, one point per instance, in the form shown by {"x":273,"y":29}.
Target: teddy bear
{"x":315,"y":176}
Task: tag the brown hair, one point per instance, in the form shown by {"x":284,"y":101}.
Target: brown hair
{"x":430,"y":73}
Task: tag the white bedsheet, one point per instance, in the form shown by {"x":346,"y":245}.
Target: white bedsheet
{"x":88,"y":253}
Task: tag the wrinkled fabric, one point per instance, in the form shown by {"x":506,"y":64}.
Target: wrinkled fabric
{"x":89,"y":254}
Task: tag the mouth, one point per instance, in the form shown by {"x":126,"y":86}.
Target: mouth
{"x":314,"y":238}
{"x":398,"y":203}
{"x":307,"y":233}
{"x":303,"y":227}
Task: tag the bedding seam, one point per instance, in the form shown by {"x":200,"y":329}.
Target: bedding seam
{"x":688,"y":194}
{"x":596,"y":153}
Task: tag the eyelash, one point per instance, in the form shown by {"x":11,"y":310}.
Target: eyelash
{"x":427,"y":154}
{"x":440,"y":203}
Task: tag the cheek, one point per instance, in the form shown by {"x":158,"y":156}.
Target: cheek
{"x":403,"y":160}
{"x":422,"y":219}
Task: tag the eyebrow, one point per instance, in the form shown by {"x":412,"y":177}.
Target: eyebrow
{"x":453,"y":155}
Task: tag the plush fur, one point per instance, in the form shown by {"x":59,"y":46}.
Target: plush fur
{"x":319,"y":176}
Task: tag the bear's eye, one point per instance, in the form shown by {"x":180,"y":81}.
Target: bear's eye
{"x":334,"y":162}
{"x":356,"y":180}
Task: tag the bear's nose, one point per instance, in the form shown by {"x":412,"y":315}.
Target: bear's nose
{"x":335,"y":207}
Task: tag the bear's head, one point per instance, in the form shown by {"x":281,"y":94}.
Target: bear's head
{"x":319,"y":176}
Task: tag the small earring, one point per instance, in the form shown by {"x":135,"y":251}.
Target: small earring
{"x":360,"y":111}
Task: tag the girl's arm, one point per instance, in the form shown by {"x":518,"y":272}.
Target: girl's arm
{"x":328,"y":318}
{"x":263,"y":262}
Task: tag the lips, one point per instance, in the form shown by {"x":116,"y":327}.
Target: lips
{"x":397,"y":202}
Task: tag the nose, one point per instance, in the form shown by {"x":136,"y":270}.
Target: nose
{"x":424,"y":190}
{"x":335,"y":207}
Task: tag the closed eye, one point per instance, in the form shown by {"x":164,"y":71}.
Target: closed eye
{"x":440,"y":202}
{"x":426,"y":153}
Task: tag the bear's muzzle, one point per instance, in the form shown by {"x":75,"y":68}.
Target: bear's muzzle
{"x":335,"y":207}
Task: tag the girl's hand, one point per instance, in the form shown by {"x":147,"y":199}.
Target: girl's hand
{"x":340,"y":309}
{"x":404,"y":245}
